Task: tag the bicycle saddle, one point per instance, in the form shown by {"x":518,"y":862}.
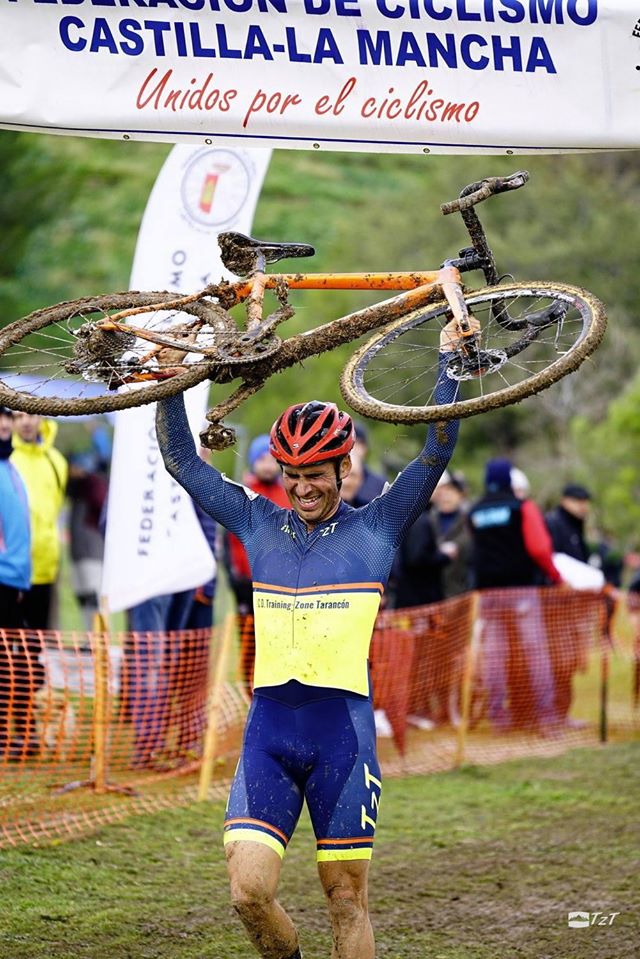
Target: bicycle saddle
{"x":240,"y":253}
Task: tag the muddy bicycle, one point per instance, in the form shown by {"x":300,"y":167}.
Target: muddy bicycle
{"x":131,"y":348}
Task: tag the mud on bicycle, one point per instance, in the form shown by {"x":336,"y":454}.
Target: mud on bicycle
{"x":127,"y":349}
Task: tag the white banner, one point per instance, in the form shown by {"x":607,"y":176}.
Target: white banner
{"x":154,"y":542}
{"x":449,"y":76}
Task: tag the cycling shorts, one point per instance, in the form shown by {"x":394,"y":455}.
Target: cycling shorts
{"x":323,"y":751}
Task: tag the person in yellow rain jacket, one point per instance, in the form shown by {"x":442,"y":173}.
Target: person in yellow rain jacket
{"x":44,"y":470}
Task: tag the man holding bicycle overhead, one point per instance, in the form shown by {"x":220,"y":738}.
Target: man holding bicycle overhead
{"x":319,"y":570}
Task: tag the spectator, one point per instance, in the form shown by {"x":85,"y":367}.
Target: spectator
{"x":200,"y":614}
{"x":512,"y":548}
{"x":189,"y":668}
{"x":15,"y":537}
{"x":452,"y":533}
{"x":87,"y":491}
{"x":520,"y":483}
{"x":419,"y":564}
{"x":566,"y":522}
{"x":418,"y":574}
{"x":604,"y":555}
{"x":15,"y":572}
{"x":566,"y":525}
{"x":633,"y":606}
{"x":44,"y":471}
{"x":352,"y":484}
{"x":264,"y":478}
{"x":163,"y":669}
{"x":372,"y":483}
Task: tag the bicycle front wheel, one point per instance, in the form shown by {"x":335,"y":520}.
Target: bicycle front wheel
{"x":531,"y":335}
{"x":59,"y":362}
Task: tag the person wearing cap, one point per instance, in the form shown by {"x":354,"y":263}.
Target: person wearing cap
{"x":371,"y":484}
{"x":265,"y":479}
{"x":566,"y":525}
{"x":319,"y":569}
{"x":512,"y":549}
{"x":15,"y":568}
{"x":452,"y":532}
{"x":566,"y":522}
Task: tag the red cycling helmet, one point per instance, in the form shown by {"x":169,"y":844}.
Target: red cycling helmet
{"x":311,"y":433}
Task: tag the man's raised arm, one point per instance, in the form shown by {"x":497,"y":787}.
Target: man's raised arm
{"x":409,"y":494}
{"x":229,"y":503}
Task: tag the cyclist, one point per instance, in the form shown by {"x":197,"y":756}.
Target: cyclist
{"x":318,"y":570}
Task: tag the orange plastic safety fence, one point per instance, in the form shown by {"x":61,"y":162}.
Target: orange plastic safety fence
{"x":536,"y":662}
{"x":154,"y":690}
{"x":478,"y":678}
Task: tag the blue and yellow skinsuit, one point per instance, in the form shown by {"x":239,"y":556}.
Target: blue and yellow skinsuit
{"x":310,"y":733}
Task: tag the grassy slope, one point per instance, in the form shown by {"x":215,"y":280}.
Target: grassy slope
{"x":479,"y":863}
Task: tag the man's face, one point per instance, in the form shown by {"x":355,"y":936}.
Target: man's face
{"x":6,"y":426}
{"x":313,"y":490}
{"x":27,"y":426}
{"x":577,"y":507}
{"x":265,"y":468}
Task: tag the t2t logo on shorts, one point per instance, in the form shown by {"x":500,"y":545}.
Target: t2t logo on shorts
{"x":374,"y":786}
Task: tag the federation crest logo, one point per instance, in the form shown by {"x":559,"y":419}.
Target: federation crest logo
{"x":215,"y":187}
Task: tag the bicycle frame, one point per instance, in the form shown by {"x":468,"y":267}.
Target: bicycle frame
{"x":425,"y":285}
{"x":484,"y":331}
{"x":416,"y":290}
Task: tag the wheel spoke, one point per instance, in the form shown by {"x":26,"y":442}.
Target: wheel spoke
{"x":65,"y":362}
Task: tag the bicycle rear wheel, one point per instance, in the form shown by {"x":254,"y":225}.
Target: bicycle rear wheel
{"x":57,"y":361}
{"x":532,"y":334}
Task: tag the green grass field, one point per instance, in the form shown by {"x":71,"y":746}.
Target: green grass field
{"x":483,"y":863}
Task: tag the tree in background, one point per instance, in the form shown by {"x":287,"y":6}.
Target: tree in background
{"x":610,"y":454}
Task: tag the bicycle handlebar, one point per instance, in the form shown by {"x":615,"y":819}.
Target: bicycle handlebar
{"x":477,"y":192}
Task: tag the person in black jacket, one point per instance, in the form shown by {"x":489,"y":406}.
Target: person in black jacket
{"x":566,"y":522}
{"x":568,"y":651}
{"x":419,"y":565}
{"x":511,"y":549}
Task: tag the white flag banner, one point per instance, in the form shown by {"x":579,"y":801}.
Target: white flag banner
{"x":154,"y":543}
{"x":448,"y":76}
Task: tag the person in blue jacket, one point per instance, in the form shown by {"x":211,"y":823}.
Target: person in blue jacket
{"x":15,"y":562}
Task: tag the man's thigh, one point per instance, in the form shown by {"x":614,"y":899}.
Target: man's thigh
{"x":343,"y":791}
{"x":265,"y":799}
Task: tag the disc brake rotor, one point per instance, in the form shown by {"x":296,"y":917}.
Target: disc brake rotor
{"x":462,"y":368}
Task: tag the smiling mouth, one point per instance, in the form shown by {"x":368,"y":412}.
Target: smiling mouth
{"x":308,"y":503}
